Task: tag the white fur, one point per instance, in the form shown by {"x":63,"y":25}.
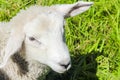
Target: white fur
{"x":45,"y":24}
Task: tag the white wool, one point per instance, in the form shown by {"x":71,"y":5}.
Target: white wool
{"x":35,"y":68}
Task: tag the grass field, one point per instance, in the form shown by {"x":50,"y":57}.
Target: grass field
{"x":93,"y":38}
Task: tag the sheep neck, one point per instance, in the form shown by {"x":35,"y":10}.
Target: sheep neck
{"x":21,"y":68}
{"x":21,"y":63}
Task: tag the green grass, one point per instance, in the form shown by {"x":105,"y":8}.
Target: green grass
{"x":93,"y":38}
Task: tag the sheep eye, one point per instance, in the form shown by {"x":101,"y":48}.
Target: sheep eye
{"x":31,"y":38}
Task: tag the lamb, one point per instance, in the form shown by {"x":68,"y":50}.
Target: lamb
{"x":32,"y":43}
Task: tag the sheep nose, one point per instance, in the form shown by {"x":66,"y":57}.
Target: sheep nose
{"x":65,"y":65}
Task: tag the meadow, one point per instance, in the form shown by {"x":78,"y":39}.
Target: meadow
{"x":93,"y":38}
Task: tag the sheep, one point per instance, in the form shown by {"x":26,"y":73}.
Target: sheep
{"x":32,"y":43}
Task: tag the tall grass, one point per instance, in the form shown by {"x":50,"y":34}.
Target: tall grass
{"x":93,"y":38}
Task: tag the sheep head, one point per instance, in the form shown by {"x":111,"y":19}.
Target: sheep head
{"x":43,"y":36}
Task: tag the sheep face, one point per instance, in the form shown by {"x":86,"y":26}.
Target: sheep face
{"x":45,"y":41}
{"x":43,"y":36}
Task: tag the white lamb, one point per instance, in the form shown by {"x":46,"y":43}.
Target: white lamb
{"x":33,"y":41}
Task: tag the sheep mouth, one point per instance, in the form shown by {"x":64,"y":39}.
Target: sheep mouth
{"x":60,"y":68}
{"x":66,"y":66}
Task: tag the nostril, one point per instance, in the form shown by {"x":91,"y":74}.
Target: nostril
{"x":65,"y":65}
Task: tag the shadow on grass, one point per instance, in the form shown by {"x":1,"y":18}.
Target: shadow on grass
{"x":84,"y":67}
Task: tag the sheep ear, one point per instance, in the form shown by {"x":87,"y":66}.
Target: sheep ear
{"x":69,"y":10}
{"x":13,"y":45}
